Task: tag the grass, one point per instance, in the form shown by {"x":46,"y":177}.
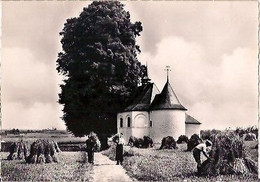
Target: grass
{"x":70,"y":168}
{"x":170,"y":165}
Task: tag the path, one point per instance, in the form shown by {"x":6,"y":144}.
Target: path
{"x":106,"y":170}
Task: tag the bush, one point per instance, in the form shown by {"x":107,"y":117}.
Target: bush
{"x":168,"y":143}
{"x":228,"y":156}
{"x":182,"y":138}
{"x":193,"y":142}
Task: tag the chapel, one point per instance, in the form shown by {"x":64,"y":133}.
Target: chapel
{"x":156,"y":114}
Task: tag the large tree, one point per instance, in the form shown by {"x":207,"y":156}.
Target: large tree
{"x":99,"y":62}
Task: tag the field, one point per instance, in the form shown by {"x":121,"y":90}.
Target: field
{"x":171,"y":165}
{"x":142,"y":164}
{"x":66,"y":141}
{"x":69,"y":168}
{"x":58,"y":136}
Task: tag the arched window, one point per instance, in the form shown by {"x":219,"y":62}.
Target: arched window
{"x":151,"y":123}
{"x":121,"y":122}
{"x":141,"y":121}
{"x":128,"y":122}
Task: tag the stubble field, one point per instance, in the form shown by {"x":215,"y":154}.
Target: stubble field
{"x":142,"y":164}
{"x":171,"y":165}
{"x":71,"y":167}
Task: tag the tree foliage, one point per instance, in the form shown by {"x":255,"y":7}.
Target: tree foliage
{"x":99,"y":61}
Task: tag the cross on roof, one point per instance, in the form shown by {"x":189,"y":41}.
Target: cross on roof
{"x":167,"y":69}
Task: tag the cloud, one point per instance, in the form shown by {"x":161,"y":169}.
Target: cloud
{"x":30,"y":90}
{"x":36,"y":26}
{"x":219,"y":95}
{"x":39,"y":116}
{"x":218,"y":27}
{"x":210,"y":46}
{"x":187,"y":61}
{"x":26,"y":80}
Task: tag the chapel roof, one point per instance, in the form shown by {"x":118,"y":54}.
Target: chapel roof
{"x":143,"y":97}
{"x":167,"y":99}
{"x":190,"y":120}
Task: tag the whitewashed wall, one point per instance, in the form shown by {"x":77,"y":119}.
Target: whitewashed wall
{"x":192,"y":129}
{"x":167,"y":123}
{"x":139,"y":124}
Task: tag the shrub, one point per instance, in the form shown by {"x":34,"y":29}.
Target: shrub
{"x":228,"y":156}
{"x":43,"y":151}
{"x":17,"y":150}
{"x":182,"y":138}
{"x":193,"y":142}
{"x":168,"y":143}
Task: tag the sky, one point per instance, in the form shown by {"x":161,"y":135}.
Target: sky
{"x":211,"y":48}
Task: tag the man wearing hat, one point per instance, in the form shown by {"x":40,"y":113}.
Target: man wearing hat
{"x":204,"y":148}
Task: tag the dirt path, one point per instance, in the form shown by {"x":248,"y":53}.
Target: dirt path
{"x":106,"y":170}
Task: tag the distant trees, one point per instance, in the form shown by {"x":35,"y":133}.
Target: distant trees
{"x":99,"y":61}
{"x":14,"y":131}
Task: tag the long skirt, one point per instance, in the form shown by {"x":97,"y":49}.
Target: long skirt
{"x":119,"y":153}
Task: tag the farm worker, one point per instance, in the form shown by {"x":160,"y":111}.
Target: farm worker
{"x":204,"y":148}
{"x":91,"y":144}
{"x":119,"y":148}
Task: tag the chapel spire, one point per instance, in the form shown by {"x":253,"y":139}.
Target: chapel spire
{"x":167,"y":99}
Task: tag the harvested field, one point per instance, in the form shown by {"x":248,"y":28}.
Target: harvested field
{"x":170,"y":165}
{"x":69,"y":168}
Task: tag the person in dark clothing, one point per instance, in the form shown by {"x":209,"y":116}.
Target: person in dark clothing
{"x":204,"y":148}
{"x":91,"y":144}
{"x":119,"y":149}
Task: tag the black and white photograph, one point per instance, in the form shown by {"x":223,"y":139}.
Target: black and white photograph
{"x":129,"y":91}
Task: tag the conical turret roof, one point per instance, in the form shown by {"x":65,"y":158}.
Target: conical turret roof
{"x":167,"y":99}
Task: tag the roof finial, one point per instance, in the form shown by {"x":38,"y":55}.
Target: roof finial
{"x":167,"y":69}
